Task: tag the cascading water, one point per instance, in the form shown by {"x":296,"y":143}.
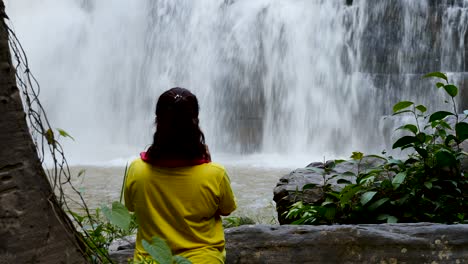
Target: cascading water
{"x":272,"y":76}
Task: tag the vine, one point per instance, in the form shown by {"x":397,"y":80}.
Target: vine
{"x":46,"y":142}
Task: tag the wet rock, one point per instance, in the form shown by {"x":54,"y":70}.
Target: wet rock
{"x":121,"y":250}
{"x":386,"y":243}
{"x":290,"y":187}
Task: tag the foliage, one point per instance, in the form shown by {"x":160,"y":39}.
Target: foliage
{"x":235,"y":221}
{"x":428,"y":186}
{"x":161,"y":252}
{"x":119,"y":223}
{"x":104,"y":226}
{"x":48,"y":145}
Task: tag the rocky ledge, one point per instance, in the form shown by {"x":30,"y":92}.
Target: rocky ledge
{"x":385,"y":243}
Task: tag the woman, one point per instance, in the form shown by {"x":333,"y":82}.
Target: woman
{"x":175,"y":190}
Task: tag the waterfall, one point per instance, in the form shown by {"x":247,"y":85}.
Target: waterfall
{"x":289,"y":77}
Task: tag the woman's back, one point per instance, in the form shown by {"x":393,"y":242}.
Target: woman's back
{"x":181,"y":205}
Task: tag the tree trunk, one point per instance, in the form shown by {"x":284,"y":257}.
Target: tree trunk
{"x":33,"y":228}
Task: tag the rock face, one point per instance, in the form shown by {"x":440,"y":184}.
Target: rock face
{"x":386,"y":243}
{"x":289,"y":188}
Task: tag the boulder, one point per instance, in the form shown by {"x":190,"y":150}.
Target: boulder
{"x":385,"y":243}
{"x":290,"y":187}
{"x":121,"y":250}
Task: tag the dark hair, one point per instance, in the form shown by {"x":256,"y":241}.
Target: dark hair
{"x":178,"y":135}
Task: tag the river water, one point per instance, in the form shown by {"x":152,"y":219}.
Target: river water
{"x":252,"y":181}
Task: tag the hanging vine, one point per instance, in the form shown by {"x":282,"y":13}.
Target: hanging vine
{"x":46,"y":141}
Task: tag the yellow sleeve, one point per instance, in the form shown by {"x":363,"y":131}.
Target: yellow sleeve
{"x":128,"y":197}
{"x":227,"y":201}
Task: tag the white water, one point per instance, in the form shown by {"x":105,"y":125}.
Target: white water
{"x":288,"y":78}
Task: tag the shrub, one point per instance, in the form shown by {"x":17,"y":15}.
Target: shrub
{"x":428,"y":186}
{"x":103,"y":227}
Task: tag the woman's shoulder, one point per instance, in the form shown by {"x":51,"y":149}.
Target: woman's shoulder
{"x":214,"y":167}
{"x":137,"y":164}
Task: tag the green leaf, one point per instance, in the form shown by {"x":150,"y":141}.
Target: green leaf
{"x":158,"y":250}
{"x":378,"y":203}
{"x":412,"y":128}
{"x":436,"y":75}
{"x":49,"y":135}
{"x":398,"y":180}
{"x":181,"y":260}
{"x":461,"y":131}
{"x":439,"y":85}
{"x":444,"y":124}
{"x":403,"y":141}
{"x":428,"y":185}
{"x":422,"y":152}
{"x":377,"y":157}
{"x":403,"y":199}
{"x":357,"y":155}
{"x":327,"y":202}
{"x":348,"y":173}
{"x":401,"y":105}
{"x":421,"y":108}
{"x":449,"y":139}
{"x":402,"y":112}
{"x":330,"y":212}
{"x":392,"y":220}
{"x":445,"y":158}
{"x":330,"y":165}
{"x":77,"y":217}
{"x":452,"y":90}
{"x":309,"y":186}
{"x":343,"y":181}
{"x":366,"y":197}
{"x":118,"y":216}
{"x":81,"y":172}
{"x":421,"y":137}
{"x":64,"y":133}
{"x":439,"y":115}
{"x":395,"y":161}
{"x":348,"y":192}
{"x":107,"y":212}
{"x":389,"y":218}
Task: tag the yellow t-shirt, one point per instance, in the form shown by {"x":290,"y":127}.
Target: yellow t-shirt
{"x":182,"y":206}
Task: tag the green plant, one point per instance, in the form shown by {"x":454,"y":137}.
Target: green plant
{"x":104,"y":226}
{"x":428,"y":186}
{"x":161,"y":253}
{"x":235,"y":221}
